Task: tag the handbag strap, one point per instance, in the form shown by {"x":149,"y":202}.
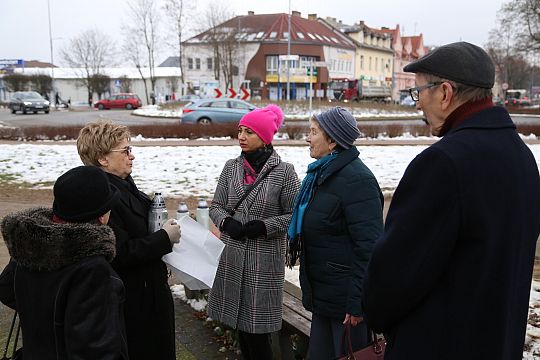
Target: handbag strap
{"x":248,"y":191}
{"x":10,"y":335}
{"x":347,"y":344}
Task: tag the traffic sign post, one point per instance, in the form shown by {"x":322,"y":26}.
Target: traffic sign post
{"x":312,"y":71}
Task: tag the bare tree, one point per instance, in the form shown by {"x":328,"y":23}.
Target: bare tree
{"x":88,"y":53}
{"x":222,"y":38}
{"x":525,"y":18}
{"x":178,"y":13}
{"x":133,"y":53}
{"x":143,"y":26}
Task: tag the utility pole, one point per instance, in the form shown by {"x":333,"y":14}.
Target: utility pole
{"x":289,"y":55}
{"x":51,"y":45}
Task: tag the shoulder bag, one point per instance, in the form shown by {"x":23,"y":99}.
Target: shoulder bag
{"x":248,"y":191}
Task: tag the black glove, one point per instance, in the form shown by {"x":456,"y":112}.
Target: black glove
{"x":233,"y":227}
{"x":255,"y":228}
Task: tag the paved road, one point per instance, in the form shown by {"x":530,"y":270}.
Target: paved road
{"x":78,"y":117}
{"x":82,"y":116}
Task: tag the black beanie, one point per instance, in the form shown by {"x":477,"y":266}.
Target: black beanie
{"x":462,"y":62}
{"x":83,"y":194}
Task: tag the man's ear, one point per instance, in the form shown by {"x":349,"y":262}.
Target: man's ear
{"x":102,"y":220}
{"x":447,"y":95}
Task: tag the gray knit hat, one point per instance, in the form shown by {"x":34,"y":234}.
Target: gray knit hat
{"x":340,"y":125}
{"x":462,"y":62}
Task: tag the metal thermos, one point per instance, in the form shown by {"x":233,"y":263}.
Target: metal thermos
{"x":182,"y":211}
{"x":203,"y":215}
{"x":157,"y":216}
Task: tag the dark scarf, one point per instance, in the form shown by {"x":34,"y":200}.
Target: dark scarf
{"x":258,"y":158}
{"x":463,"y":112}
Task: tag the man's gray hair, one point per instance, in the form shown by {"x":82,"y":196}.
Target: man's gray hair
{"x":462,"y":92}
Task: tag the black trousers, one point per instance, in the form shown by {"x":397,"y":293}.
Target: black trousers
{"x":255,"y":346}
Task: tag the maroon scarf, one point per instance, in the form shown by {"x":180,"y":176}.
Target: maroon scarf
{"x":463,"y":112}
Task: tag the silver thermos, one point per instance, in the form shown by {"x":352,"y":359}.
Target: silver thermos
{"x":182,"y":211}
{"x":203,"y":213}
{"x":157,"y":216}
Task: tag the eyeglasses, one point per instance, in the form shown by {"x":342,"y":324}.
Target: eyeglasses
{"x":415,"y":91}
{"x":126,"y":150}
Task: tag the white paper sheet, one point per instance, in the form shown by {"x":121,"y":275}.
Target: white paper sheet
{"x":195,"y":259}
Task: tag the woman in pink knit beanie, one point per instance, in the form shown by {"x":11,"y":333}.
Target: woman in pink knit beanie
{"x":252,"y":206}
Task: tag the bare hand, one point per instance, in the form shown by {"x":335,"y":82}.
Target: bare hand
{"x":355,"y":320}
{"x":173,"y":230}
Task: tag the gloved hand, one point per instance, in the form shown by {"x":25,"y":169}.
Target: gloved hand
{"x":173,"y":230}
{"x":255,"y":228}
{"x":233,"y":227}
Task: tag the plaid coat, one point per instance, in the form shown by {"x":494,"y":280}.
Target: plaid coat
{"x":248,"y":290}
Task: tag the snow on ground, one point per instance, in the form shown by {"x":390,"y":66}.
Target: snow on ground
{"x":189,"y":170}
{"x":291,"y":112}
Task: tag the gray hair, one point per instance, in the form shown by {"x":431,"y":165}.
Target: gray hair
{"x":462,"y":92}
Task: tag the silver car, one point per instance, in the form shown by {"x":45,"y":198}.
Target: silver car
{"x":25,"y":101}
{"x":215,"y":111}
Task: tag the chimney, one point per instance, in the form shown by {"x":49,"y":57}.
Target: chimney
{"x":312,"y":17}
{"x":296,"y":13}
{"x":251,"y":13}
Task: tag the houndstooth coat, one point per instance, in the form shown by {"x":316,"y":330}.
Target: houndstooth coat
{"x":248,"y":289}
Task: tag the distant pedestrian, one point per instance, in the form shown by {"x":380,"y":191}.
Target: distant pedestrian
{"x":59,"y":278}
{"x":450,"y":277}
{"x":337,"y":219}
{"x":248,"y":290}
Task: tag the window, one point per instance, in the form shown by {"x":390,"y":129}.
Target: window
{"x":362,"y":62}
{"x":260,"y":34}
{"x":273,"y":34}
{"x":272,"y":65}
{"x":311,"y":36}
{"x":198,"y":63}
{"x":335,"y":40}
{"x":209,"y":63}
{"x":319,"y":37}
{"x":219,"y":104}
{"x":190,"y":63}
{"x":238,"y":105}
{"x":300,"y":35}
{"x":370,"y":63}
{"x":376,"y":63}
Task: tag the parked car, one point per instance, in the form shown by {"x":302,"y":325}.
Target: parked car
{"x":189,"y":97}
{"x":517,"y":102}
{"x":119,"y":101}
{"x":215,"y":111}
{"x":407,"y":101}
{"x":497,"y":101}
{"x":25,"y":101}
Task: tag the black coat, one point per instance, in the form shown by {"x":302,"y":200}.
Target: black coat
{"x":68,"y":297}
{"x":340,"y":227}
{"x":149,"y":308}
{"x":450,"y":278}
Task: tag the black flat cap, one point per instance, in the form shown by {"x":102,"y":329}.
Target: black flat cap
{"x":462,"y":62}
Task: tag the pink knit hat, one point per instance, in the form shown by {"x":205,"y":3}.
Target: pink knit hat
{"x":264,"y":122}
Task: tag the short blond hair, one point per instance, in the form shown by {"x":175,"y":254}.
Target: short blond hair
{"x":98,"y":138}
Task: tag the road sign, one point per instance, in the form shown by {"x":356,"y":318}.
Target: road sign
{"x":218,"y":92}
{"x":321,"y":64}
{"x":505,"y":86}
{"x":289,"y":57}
{"x":7,"y":62}
{"x":117,"y":83}
{"x":245,"y":92}
{"x":232,"y":93}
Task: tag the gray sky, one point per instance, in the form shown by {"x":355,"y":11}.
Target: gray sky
{"x":24,"y":27}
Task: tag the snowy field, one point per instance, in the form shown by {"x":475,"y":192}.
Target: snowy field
{"x":180,"y":171}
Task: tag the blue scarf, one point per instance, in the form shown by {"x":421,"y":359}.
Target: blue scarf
{"x":315,"y":169}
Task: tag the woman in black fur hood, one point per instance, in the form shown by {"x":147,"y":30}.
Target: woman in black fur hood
{"x":59,"y":278}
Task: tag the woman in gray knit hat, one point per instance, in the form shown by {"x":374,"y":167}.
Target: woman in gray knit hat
{"x":336,"y":220}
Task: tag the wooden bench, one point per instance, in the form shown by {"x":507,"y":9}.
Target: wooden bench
{"x":293,"y":340}
{"x":295,"y":317}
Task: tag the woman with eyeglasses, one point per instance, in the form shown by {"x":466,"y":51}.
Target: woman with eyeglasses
{"x":149,"y":309}
{"x":336,"y":220}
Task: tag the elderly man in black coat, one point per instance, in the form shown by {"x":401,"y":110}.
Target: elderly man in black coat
{"x":451,"y":275}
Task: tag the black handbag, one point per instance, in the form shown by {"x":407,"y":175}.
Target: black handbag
{"x":16,"y":354}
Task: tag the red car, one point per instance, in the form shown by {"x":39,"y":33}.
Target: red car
{"x":119,"y":101}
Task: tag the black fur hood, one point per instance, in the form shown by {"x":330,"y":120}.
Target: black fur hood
{"x":36,"y":242}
